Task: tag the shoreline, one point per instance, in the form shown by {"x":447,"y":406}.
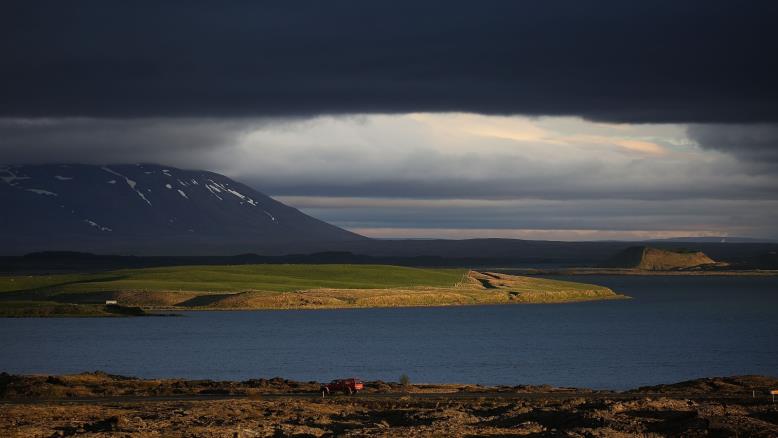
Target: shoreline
{"x":178,"y":311}
{"x":92,"y":385}
{"x":635,"y":272}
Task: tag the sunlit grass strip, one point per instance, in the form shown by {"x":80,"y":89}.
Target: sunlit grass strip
{"x":296,"y":287}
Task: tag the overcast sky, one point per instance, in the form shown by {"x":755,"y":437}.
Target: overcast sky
{"x":547,"y":120}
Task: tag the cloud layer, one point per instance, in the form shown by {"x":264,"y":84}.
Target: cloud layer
{"x":659,"y":61}
{"x":447,"y":175}
{"x":605,"y":119}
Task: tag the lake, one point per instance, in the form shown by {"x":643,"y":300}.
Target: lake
{"x":674,"y":328}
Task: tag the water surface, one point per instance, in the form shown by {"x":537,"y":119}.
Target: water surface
{"x":674,"y":328}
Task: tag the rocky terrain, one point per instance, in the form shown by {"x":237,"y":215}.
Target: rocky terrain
{"x":88,"y":405}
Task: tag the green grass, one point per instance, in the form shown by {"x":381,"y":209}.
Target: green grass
{"x":272,"y":278}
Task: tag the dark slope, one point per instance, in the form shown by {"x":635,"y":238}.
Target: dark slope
{"x":148,"y":209}
{"x":719,"y":239}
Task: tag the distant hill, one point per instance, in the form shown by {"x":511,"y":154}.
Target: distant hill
{"x":766,"y":260}
{"x":715,"y":239}
{"x":656,"y":259}
{"x":148,"y":209}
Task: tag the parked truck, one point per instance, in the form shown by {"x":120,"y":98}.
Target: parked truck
{"x":348,"y":386}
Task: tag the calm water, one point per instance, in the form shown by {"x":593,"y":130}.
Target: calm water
{"x":675,"y":328}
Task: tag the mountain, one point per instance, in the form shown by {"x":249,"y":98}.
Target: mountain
{"x":148,"y":209}
{"x":655,"y":259}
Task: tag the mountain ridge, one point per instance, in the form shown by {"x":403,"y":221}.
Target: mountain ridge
{"x":148,"y":207}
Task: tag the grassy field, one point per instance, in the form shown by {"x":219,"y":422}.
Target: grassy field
{"x":276,"y":278}
{"x":284,"y":287}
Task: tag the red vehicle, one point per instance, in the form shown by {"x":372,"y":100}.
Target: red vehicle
{"x":348,"y":386}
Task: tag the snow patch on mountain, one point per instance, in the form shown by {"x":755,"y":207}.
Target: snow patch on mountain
{"x":10,"y":176}
{"x":239,"y":195}
{"x":42,"y":192}
{"x":243,"y":197}
{"x":96,"y":225}
{"x":129,"y":182}
{"x":213,"y":191}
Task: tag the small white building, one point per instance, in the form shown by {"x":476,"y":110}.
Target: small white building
{"x":109,"y":302}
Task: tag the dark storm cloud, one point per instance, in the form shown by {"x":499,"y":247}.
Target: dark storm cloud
{"x":757,"y":144}
{"x":658,"y":61}
{"x":185,"y":142}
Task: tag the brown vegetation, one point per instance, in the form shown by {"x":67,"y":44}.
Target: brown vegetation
{"x":706,"y":407}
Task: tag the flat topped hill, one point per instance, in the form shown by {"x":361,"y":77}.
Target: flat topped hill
{"x":286,"y":287}
{"x":655,"y":259}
